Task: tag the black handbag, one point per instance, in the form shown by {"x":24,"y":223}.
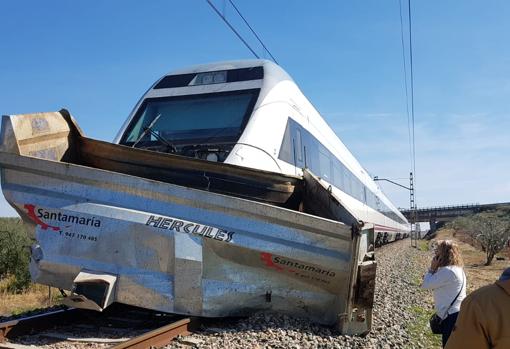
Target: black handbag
{"x":435,"y":322}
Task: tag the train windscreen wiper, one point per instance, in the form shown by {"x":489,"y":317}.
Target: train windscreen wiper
{"x":148,"y":129}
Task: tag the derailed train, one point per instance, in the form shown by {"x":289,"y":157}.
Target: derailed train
{"x":225,"y":193}
{"x":266,"y":123}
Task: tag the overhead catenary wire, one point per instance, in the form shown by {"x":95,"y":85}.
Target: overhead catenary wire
{"x":412,"y":87}
{"x":409,"y":96}
{"x":232,"y":28}
{"x":253,"y":31}
{"x":410,"y":119}
{"x":413,"y":174}
{"x":404,"y":61}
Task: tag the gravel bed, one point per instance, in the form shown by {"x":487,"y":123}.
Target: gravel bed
{"x":394,"y":322}
{"x":398,"y":272}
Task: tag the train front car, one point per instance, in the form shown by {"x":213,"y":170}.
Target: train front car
{"x":200,"y":112}
{"x":252,"y":114}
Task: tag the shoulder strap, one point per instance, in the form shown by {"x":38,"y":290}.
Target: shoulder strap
{"x":458,"y":294}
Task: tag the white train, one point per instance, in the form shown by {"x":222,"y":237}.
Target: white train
{"x":251,"y":113}
{"x":269,"y":223}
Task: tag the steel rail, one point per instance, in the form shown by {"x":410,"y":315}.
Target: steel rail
{"x":159,"y":337}
{"x":25,"y":325}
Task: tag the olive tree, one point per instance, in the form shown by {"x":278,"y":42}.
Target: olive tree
{"x":490,"y":229}
{"x":14,"y":254}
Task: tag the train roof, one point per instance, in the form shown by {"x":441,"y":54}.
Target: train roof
{"x":270,"y":68}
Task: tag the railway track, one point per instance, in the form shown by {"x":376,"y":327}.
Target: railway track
{"x":118,"y":327}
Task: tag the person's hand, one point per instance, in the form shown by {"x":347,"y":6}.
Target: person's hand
{"x":434,"y":264}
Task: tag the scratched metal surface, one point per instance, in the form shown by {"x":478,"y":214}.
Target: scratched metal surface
{"x":178,"y":249}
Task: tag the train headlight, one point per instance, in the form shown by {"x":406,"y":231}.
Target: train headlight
{"x":208,"y":78}
{"x":212,"y":157}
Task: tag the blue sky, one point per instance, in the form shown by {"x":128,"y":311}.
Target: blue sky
{"x":96,"y":58}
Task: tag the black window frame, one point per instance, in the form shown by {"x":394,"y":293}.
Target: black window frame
{"x":249,"y":109}
{"x":233,"y":75}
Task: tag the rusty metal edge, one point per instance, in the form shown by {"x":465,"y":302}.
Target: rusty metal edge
{"x":24,"y":325}
{"x":160,"y":336}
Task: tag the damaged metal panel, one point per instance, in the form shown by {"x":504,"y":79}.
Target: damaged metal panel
{"x":92,"y":290}
{"x":365,"y":289}
{"x":200,"y":174}
{"x":319,"y":200}
{"x":179,"y":249}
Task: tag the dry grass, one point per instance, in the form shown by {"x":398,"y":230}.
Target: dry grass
{"x":34,"y":298}
{"x":477,"y":273}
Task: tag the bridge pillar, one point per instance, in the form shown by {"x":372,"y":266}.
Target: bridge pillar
{"x":433,"y":225}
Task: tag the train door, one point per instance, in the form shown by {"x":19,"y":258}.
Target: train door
{"x":294,"y":146}
{"x":298,"y":148}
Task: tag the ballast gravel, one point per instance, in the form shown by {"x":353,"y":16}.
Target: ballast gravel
{"x":399,"y":267}
{"x":397,"y":293}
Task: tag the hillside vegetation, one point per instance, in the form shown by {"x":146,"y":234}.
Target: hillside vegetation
{"x":17,"y":293}
{"x":14,"y":256}
{"x":487,"y":231}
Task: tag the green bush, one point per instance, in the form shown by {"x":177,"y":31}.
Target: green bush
{"x":14,"y":254}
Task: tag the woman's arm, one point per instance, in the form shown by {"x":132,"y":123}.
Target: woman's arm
{"x":434,"y":280}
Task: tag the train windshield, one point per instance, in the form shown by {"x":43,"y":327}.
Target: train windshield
{"x":193,"y":119}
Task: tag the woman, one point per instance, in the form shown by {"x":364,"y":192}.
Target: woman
{"x":448,"y":281}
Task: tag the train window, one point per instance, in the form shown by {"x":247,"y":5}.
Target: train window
{"x":299,"y":146}
{"x":357,"y":188}
{"x":347,"y":182}
{"x":374,"y":202}
{"x":312,"y":156}
{"x":377,"y":202}
{"x":305,"y":156}
{"x":370,"y":199}
{"x":361,"y":191}
{"x":354,"y":188}
{"x":324,"y":164}
{"x":338,"y":175}
{"x":286,"y":153}
{"x":203,"y":118}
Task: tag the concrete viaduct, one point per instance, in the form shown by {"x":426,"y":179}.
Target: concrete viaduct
{"x":438,"y":216}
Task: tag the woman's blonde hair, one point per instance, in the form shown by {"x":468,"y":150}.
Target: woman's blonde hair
{"x":448,"y":253}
